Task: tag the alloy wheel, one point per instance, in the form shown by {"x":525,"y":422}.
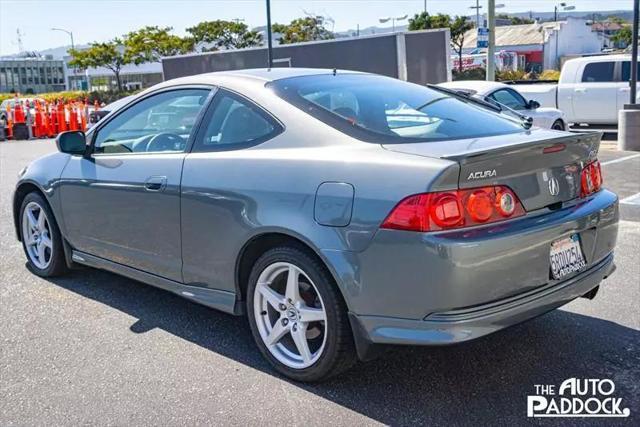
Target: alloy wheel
{"x":36,"y":232}
{"x":290,"y":315}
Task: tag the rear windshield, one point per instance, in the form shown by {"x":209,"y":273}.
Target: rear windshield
{"x":384,"y":110}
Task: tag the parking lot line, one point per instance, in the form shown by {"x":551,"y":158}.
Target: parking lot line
{"x":621,"y":159}
{"x":632,"y":200}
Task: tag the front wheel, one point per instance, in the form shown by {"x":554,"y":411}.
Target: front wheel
{"x":297,"y":316}
{"x":558,"y":125}
{"x":41,"y":237}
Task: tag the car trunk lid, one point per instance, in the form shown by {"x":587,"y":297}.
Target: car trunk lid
{"x":542,"y":167}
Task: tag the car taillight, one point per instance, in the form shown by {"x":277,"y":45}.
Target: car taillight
{"x":591,"y":179}
{"x":454,"y":209}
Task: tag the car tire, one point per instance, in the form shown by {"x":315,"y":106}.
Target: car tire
{"x":558,"y":125}
{"x":41,"y":238}
{"x":330,"y":346}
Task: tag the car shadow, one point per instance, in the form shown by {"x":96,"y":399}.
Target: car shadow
{"x":480,"y":382}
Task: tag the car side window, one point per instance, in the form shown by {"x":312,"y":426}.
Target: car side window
{"x":510,"y":98}
{"x":159,"y":123}
{"x":235,"y":122}
{"x":598,"y":72}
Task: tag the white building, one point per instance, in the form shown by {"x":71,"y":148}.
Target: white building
{"x":542,"y":45}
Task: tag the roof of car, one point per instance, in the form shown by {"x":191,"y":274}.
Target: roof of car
{"x":602,"y":58}
{"x":264,"y":74}
{"x":477,"y":86}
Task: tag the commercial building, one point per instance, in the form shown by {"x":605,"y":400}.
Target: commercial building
{"x":29,"y":75}
{"x":542,"y":45}
{"x":133,"y":77}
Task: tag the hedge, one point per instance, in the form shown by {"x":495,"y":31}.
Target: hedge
{"x":70,"y":96}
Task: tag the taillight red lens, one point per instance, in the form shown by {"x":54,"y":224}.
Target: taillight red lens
{"x":591,"y":179}
{"x":446,"y":210}
{"x":480,"y":205}
{"x":454,"y":209}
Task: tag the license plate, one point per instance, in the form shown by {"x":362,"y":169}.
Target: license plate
{"x":566,"y":257}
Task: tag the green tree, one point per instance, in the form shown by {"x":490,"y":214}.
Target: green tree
{"x":514,"y":20}
{"x":458,"y":28}
{"x":303,"y":30}
{"x":224,"y":34}
{"x":111,"y":55}
{"x":424,"y":21}
{"x":624,"y":35}
{"x":149,"y":44}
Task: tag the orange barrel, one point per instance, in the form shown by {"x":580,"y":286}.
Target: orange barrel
{"x":18,"y":112}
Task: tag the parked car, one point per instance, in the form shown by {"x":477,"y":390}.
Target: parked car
{"x":504,"y":95}
{"x":96,"y":115}
{"x":338,"y":210}
{"x":591,"y":90}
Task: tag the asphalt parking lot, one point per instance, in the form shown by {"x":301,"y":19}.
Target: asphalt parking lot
{"x":96,"y":348}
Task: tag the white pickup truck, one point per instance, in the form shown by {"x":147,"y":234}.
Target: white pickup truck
{"x":591,"y":90}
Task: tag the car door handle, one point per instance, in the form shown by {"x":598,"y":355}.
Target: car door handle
{"x":625,"y":89}
{"x":155,"y":183}
{"x":580,"y":90}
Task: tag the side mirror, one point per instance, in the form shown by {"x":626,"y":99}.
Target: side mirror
{"x":72,"y":142}
{"x":533,"y":105}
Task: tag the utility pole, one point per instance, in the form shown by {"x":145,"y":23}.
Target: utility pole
{"x":491,"y":49}
{"x":269,"y":42}
{"x":634,"y":53}
{"x":477,"y":7}
{"x":425,"y":6}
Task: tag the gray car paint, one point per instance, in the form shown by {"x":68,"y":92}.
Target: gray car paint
{"x":225,"y":199}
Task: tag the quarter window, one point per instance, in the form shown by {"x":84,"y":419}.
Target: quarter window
{"x":598,"y":72}
{"x":626,"y":71}
{"x":159,"y":123}
{"x":234,"y":122}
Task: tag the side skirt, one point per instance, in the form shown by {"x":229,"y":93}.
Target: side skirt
{"x":220,"y":300}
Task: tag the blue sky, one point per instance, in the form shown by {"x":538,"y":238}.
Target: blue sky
{"x":99,"y":20}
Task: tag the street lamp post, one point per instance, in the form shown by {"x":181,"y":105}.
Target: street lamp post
{"x":565,"y":7}
{"x":393,"y":21}
{"x":70,"y":33}
{"x":73,"y":46}
{"x":269,"y":42}
{"x":560,"y":6}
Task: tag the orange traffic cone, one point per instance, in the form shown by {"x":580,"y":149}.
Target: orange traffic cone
{"x":9,"y":128}
{"x":83,"y":116}
{"x":53,"y":121}
{"x":37,"y":122}
{"x":73,"y":117}
{"x":62,"y":119}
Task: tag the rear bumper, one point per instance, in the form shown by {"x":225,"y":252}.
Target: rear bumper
{"x":462,"y":325}
{"x":441,"y":288}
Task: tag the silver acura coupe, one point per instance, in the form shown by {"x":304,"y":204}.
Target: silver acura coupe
{"x":340,"y":211}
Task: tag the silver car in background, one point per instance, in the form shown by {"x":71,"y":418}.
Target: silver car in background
{"x":338,"y":210}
